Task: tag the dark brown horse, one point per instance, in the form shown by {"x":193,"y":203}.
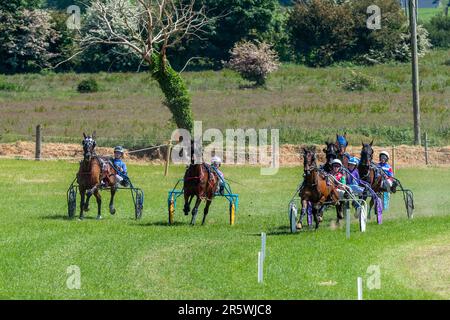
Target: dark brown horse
{"x":92,"y":171}
{"x":316,"y":188}
{"x":368,"y":172}
{"x":200,"y":181}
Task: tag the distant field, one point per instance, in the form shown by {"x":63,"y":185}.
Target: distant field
{"x":307,"y":105}
{"x":425,"y":14}
{"x":120,"y":258}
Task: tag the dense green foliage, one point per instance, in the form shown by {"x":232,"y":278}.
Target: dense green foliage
{"x":88,"y":86}
{"x":175,"y":91}
{"x":439,"y":29}
{"x":120,"y":258}
{"x":324,"y":31}
{"x":329,"y":31}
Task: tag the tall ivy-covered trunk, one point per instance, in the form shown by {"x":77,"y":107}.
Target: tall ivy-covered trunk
{"x":175,"y":91}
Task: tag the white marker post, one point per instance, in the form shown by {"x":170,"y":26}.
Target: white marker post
{"x":260,"y":267}
{"x":360,"y":288}
{"x":263,"y":245}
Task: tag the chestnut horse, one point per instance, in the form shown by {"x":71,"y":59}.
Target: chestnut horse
{"x":92,"y":171}
{"x":200,"y":181}
{"x":316,"y":188}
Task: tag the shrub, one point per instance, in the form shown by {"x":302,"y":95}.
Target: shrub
{"x":358,"y":82}
{"x":253,"y":61}
{"x":321,"y":31}
{"x":88,"y":86}
{"x":11,"y":87}
{"x":439,"y":30}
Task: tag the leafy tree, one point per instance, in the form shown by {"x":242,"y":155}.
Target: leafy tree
{"x":13,"y":6}
{"x":149,"y":30}
{"x":321,"y":31}
{"x":238,"y":20}
{"x":26,"y":37}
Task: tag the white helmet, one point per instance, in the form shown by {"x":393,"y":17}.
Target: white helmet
{"x":336,"y":161}
{"x":385,"y":153}
{"x":216,"y":160}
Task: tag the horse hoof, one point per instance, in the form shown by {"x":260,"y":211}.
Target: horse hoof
{"x":99,"y":218}
{"x":320,"y":219}
{"x":112,"y":210}
{"x":80,"y":218}
{"x":299,"y":226}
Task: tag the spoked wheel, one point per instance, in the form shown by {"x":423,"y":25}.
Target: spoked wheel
{"x":71,"y":201}
{"x":171,"y":211}
{"x":232,"y":213}
{"x":409,"y":203}
{"x":139,"y":205}
{"x":293,"y":217}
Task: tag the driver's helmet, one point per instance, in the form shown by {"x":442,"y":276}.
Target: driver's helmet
{"x":384,"y":153}
{"x":119,"y":149}
{"x":216,"y":161}
{"x":353,"y":160}
{"x":336,"y":162}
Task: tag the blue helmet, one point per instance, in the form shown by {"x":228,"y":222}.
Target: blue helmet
{"x":342,"y":141}
{"x":353,"y":160}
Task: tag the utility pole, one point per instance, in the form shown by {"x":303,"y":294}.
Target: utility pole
{"x":415,"y":70}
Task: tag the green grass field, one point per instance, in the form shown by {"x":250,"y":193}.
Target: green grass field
{"x":308,"y":105}
{"x":425,"y":14}
{"x":121,"y":258}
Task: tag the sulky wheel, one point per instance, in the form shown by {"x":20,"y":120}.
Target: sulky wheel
{"x":409,"y":202}
{"x":71,"y":202}
{"x":139,"y":205}
{"x":171,"y":211}
{"x":232,"y":213}
{"x":293,"y":217}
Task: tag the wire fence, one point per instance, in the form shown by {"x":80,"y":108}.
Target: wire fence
{"x":159,"y":149}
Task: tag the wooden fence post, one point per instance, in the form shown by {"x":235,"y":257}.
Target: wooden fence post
{"x":393,"y":159}
{"x":169,"y":152}
{"x":38,"y":143}
{"x":426,"y":148}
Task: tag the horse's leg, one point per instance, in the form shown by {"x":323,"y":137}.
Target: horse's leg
{"x":187,"y":204}
{"x":82,"y":194}
{"x":339,"y":212}
{"x":99,"y":204}
{"x":195,"y":210}
{"x":112,"y":210}
{"x":86,"y":203}
{"x":206,"y":210}
{"x":315,"y":212}
{"x":302,"y":214}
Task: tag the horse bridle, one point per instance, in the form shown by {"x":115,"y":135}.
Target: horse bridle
{"x":88,"y":148}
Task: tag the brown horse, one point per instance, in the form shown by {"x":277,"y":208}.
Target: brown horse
{"x":200,"y":181}
{"x":316,"y":188}
{"x":93,"y":170}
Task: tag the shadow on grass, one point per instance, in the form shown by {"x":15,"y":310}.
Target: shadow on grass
{"x":283,"y":230}
{"x":162,"y":224}
{"x":65,"y":218}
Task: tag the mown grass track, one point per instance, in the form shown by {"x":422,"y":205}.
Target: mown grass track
{"x":121,"y":258}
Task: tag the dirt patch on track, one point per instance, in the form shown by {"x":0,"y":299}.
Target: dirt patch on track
{"x":290,"y":155}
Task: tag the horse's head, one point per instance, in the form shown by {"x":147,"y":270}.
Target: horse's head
{"x":309,"y":158}
{"x":88,"y":146}
{"x":331,"y":151}
{"x":341,"y":143}
{"x":366,"y":154}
